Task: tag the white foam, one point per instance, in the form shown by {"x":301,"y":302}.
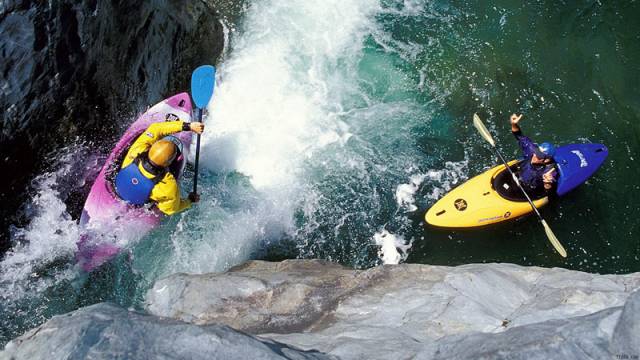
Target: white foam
{"x":276,"y":105}
{"x":405,"y":192}
{"x":274,"y":102}
{"x":393,"y":248}
{"x":50,"y":235}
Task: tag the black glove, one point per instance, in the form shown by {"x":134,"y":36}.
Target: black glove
{"x":194,"y":197}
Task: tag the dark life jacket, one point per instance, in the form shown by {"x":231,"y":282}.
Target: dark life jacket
{"x":131,"y":184}
{"x":531,"y":175}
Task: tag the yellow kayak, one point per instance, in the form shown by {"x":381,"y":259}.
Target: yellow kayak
{"x":488,"y":198}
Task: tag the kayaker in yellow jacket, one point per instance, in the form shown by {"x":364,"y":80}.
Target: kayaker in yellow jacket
{"x":144,"y":175}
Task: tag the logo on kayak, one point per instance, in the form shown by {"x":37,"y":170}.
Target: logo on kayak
{"x":491,"y":218}
{"x":583,"y":160}
{"x":498,"y":217}
{"x":460,"y":204}
{"x":135,"y":181}
{"x":171,"y":117}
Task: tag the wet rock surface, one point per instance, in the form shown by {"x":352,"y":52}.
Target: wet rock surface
{"x":84,"y":69}
{"x":258,"y":297}
{"x":405,"y":311}
{"x":105,"y":331}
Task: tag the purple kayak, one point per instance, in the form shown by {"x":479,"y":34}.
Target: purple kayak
{"x":108,"y":223}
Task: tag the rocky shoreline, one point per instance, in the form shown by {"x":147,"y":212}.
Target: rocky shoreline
{"x":106,"y":331}
{"x":317,"y":309}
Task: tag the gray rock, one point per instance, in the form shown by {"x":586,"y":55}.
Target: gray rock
{"x":105,"y":331}
{"x":471,"y":311}
{"x":607,"y":334}
{"x":85,"y":68}
{"x":584,"y":337}
{"x":626,"y":338}
{"x":258,"y":296}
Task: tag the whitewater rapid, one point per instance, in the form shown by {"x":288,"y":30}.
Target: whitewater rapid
{"x":308,"y":147}
{"x":305,"y":110}
{"x":277,"y":104}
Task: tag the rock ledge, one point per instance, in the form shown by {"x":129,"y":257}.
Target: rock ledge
{"x":404,"y":311}
{"x":106,"y":331}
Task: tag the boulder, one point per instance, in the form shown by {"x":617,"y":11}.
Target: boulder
{"x":106,"y":331}
{"x":406,"y":311}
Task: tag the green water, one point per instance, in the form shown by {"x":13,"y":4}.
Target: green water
{"x":573,"y":71}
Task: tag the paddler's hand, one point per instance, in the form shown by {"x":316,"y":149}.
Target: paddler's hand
{"x":514,"y":123}
{"x":194,"y":197}
{"x":197,"y":127}
{"x":548,"y":179}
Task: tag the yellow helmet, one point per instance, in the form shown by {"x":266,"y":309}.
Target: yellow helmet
{"x":162,"y":153}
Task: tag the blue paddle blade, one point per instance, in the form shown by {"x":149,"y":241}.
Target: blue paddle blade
{"x":202,"y":83}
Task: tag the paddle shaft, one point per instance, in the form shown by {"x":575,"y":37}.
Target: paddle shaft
{"x":515,"y":179}
{"x":195,"y":176}
{"x":202,"y":84}
{"x":477,"y":123}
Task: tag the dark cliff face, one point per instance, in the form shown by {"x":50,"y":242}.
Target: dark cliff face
{"x":84,"y":69}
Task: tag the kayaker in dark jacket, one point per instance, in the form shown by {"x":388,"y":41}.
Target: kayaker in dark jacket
{"x":537,"y":172}
{"x":144,"y":176}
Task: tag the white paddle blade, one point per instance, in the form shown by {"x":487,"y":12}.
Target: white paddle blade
{"x":483,"y":130}
{"x":554,"y":240}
